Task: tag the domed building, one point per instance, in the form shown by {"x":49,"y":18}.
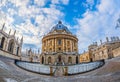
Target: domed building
{"x":59,"y":47}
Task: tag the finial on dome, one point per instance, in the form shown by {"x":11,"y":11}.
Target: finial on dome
{"x":59,"y":22}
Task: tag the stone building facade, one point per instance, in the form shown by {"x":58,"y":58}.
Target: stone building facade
{"x":116,"y":52}
{"x":59,"y":46}
{"x":9,"y":43}
{"x":106,"y":50}
{"x":84,"y":57}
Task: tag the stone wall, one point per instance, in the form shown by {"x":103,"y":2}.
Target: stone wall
{"x":116,"y":52}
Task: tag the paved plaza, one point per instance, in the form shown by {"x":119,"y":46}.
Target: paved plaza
{"x":9,"y":72}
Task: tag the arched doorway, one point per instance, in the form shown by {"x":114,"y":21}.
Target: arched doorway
{"x":76,"y":59}
{"x":11,"y":46}
{"x":59,"y":58}
{"x":17,"y":51}
{"x":2,"y":42}
{"x":42,"y":60}
{"x":49,"y":60}
{"x":70,"y":60}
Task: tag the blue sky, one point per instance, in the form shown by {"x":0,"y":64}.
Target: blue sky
{"x":90,"y":20}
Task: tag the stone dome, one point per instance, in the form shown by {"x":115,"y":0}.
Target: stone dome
{"x":60,"y":27}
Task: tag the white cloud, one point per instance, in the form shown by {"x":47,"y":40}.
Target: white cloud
{"x":40,"y":3}
{"x":88,"y":4}
{"x":19,"y":3}
{"x":64,"y":2}
{"x":93,"y":26}
{"x":44,"y":18}
{"x":96,"y":25}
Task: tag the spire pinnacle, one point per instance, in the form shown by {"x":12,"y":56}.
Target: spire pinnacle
{"x":3,"y":26}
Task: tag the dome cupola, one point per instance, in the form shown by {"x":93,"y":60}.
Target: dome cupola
{"x":60,"y":28}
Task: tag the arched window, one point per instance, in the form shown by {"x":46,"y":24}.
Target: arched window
{"x":42,"y":60}
{"x":11,"y":46}
{"x":76,"y":59}
{"x":2,"y":42}
{"x":17,"y":51}
{"x":70,"y":60}
{"x":49,"y":60}
{"x":59,"y":41}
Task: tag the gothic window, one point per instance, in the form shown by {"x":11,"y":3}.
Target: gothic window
{"x":17,"y":51}
{"x":11,"y":46}
{"x":59,"y":42}
{"x":2,"y":42}
{"x":42,"y":60}
{"x":49,"y":60}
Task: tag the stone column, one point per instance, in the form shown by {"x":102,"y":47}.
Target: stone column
{"x":7,"y":45}
{"x":47,"y":46}
{"x":51,"y":71}
{"x":66,"y":71}
{"x":70,"y":45}
{"x":55,"y":45}
{"x":63,"y":45}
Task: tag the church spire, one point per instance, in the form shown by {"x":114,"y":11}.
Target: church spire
{"x":22,"y":40}
{"x":3,"y":26}
{"x":9,"y":31}
{"x":14,"y":32}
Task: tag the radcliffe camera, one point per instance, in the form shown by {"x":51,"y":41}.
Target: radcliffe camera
{"x":59,"y":41}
